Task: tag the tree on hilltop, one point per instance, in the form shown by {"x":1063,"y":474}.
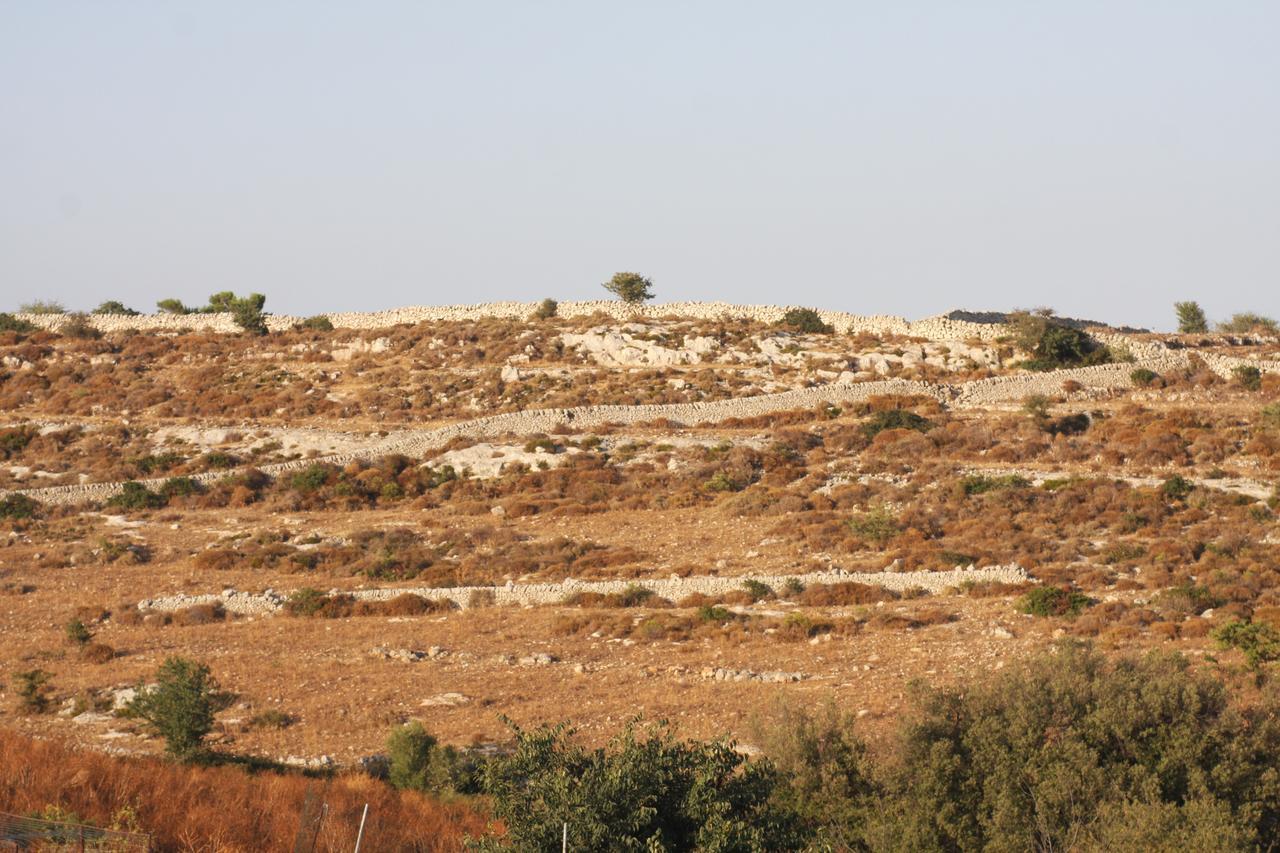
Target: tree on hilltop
{"x":1191,"y":319}
{"x":631,"y":287}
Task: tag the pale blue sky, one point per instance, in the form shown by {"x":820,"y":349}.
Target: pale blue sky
{"x":1104,"y":158}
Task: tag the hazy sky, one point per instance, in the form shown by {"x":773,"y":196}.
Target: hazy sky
{"x":905,"y":157}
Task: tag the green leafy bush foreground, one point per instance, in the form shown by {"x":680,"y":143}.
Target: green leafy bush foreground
{"x":1067,"y":751}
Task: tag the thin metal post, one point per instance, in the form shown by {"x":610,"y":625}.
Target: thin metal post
{"x":360,"y":834}
{"x":564,"y":839}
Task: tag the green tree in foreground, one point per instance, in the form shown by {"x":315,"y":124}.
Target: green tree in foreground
{"x":1191,"y":319}
{"x":642,"y":791}
{"x":180,"y":706}
{"x":1072,"y":752}
{"x":631,"y":287}
{"x":417,"y":761}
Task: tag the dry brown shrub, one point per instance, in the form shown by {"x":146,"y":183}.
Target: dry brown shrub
{"x":222,"y":808}
{"x":127,"y":613}
{"x":405,"y":604}
{"x":215,"y":560}
{"x":1195,"y":628}
{"x":97,"y":653}
{"x":844,"y":594}
{"x":200,"y":614}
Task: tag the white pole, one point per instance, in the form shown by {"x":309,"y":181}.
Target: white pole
{"x":564,"y":839}
{"x":360,"y":834}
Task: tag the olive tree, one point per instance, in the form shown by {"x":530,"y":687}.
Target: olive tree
{"x":631,"y":287}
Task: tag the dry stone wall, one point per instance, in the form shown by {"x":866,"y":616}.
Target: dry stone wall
{"x":673,"y":589}
{"x":932,"y":328}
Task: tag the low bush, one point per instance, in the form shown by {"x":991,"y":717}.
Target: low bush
{"x":806,"y":321}
{"x":114,"y":307}
{"x":979,"y":484}
{"x":1053,"y":344}
{"x":1143,"y":377}
{"x":18,"y":507}
{"x":1249,"y":377}
{"x":844,"y":594}
{"x":1259,"y":642}
{"x":885,"y":419}
{"x":1053,"y":601}
{"x":135,"y":496}
{"x":10,"y":323}
{"x":876,"y":526}
{"x":33,"y":689}
{"x":42,"y":306}
{"x":318,"y":323}
{"x":1176,"y":488}
{"x":418,"y":762}
{"x":546,"y":309}
{"x":1246,"y":323}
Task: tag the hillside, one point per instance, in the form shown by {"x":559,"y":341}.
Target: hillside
{"x":686,"y":512}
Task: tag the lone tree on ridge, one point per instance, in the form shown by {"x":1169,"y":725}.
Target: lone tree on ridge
{"x":631,"y":287}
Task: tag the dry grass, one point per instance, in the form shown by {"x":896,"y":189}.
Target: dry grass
{"x":224,"y":809}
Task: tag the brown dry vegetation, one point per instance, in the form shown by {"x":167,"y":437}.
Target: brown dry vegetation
{"x":220,"y":808}
{"x":1087,"y":510}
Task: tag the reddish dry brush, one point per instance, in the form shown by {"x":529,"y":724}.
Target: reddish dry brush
{"x":222,"y":808}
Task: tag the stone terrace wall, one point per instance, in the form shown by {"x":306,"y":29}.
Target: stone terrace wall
{"x":673,"y":589}
{"x":932,"y":328}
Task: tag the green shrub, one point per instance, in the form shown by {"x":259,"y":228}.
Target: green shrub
{"x":635,"y":595}
{"x":722,"y":482}
{"x":219,"y":459}
{"x":305,"y":602}
{"x":546,"y":309}
{"x":173,"y":306}
{"x":77,"y":633}
{"x":793,"y":587}
{"x":1191,"y":319}
{"x":1143,"y":377}
{"x":180,"y":487}
{"x":10,"y":323}
{"x":1187,"y":598}
{"x":180,"y":706}
{"x":757,"y":589}
{"x":1053,"y":344}
{"x":135,"y":496}
{"x":310,"y":479}
{"x":980,"y":484}
{"x":42,"y":306}
{"x":1176,"y":488}
{"x":1053,"y":601}
{"x":885,"y":419}
{"x":33,"y":689}
{"x":805,"y":321}
{"x":1270,"y":415}
{"x":1249,"y":377}
{"x":318,"y":323}
{"x":417,"y":762}
{"x":714,"y":613}
{"x":1071,"y":750}
{"x":18,"y":507}
{"x":1258,"y":640}
{"x":15,"y":440}
{"x":631,"y":287}
{"x":247,"y":313}
{"x":642,"y":791}
{"x":876,"y":526}
{"x":111,"y":306}
{"x":1246,"y":323}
